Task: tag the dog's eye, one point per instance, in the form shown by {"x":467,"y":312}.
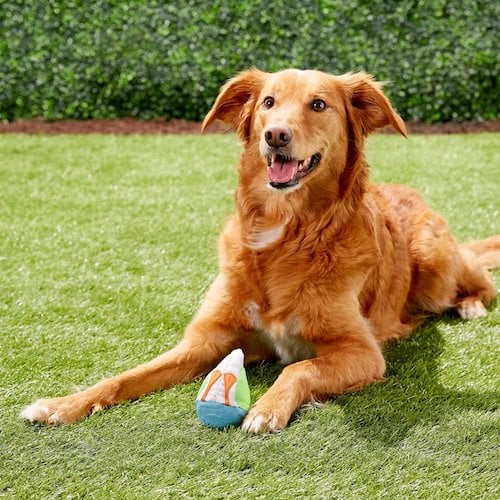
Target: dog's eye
{"x":319,"y":105}
{"x":268,"y":102}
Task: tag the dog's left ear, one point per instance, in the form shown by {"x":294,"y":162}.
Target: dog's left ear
{"x":233,"y":104}
{"x":369,"y":104}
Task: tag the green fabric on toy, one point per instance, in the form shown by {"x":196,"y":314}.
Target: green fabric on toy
{"x":224,"y":397}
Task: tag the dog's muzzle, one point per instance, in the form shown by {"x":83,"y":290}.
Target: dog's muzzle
{"x":286,"y":172}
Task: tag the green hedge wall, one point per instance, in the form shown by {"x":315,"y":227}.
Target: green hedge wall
{"x":148,"y":58}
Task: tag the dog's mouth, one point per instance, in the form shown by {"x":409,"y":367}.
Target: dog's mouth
{"x":286,"y":172}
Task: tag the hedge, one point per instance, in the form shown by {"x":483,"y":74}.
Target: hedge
{"x":148,"y":58}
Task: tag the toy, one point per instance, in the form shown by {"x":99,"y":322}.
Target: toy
{"x":224,"y":397}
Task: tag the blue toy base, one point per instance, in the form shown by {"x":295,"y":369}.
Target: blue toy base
{"x":218,"y":415}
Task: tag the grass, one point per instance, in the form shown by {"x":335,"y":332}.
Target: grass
{"x":107,"y":246}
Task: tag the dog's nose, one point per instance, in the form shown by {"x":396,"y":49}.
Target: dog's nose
{"x":278,"y":136}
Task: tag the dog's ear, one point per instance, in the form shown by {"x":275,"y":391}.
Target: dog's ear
{"x":234,"y":102}
{"x":369,"y":104}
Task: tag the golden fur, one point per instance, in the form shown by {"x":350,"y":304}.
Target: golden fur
{"x":317,"y":267}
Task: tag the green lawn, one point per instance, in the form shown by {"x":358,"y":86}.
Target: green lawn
{"x":107,"y":245}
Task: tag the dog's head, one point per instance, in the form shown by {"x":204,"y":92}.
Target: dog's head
{"x":305,"y":124}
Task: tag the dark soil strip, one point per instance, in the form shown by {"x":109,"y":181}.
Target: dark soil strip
{"x":127,"y":126}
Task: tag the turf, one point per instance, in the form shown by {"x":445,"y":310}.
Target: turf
{"x":107,"y":245}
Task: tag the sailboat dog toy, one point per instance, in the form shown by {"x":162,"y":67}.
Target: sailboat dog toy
{"x":224,"y":397}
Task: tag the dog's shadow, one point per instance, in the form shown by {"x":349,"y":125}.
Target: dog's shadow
{"x":411,"y":394}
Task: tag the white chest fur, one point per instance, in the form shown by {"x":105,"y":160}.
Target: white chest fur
{"x":284,"y":338}
{"x":262,"y":238}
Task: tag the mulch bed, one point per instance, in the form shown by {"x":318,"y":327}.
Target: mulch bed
{"x":122,"y":126}
{"x":127,"y":126}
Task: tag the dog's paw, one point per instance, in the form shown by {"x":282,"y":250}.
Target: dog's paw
{"x":471,"y":309}
{"x":259,"y":421}
{"x":57,"y":411}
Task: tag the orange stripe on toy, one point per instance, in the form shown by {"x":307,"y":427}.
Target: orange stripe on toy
{"x":216,"y":374}
{"x":229,"y":381}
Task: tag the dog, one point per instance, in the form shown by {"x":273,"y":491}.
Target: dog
{"x":318,"y":267}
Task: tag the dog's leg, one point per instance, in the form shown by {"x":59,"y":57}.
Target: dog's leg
{"x":348,"y":363}
{"x":449,"y":275}
{"x":475,"y":286}
{"x":192,"y":357}
{"x":218,"y":328}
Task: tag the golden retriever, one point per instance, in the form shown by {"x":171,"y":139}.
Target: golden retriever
{"x":318,"y":267}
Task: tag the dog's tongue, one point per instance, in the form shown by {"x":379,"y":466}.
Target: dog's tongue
{"x":282,"y":171}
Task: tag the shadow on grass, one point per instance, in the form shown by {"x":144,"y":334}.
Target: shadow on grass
{"x":411,"y":394}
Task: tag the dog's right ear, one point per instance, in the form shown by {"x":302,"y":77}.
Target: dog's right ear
{"x":233,"y":105}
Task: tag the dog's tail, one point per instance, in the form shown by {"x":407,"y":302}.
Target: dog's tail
{"x":487,"y":251}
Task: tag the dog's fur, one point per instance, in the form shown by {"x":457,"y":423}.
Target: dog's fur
{"x":318,"y":266}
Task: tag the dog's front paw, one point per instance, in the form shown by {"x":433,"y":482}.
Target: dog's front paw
{"x":261,"y":420}
{"x":56,"y":411}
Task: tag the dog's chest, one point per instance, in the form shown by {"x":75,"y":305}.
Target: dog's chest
{"x":283,"y":336}
{"x":259,"y":239}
